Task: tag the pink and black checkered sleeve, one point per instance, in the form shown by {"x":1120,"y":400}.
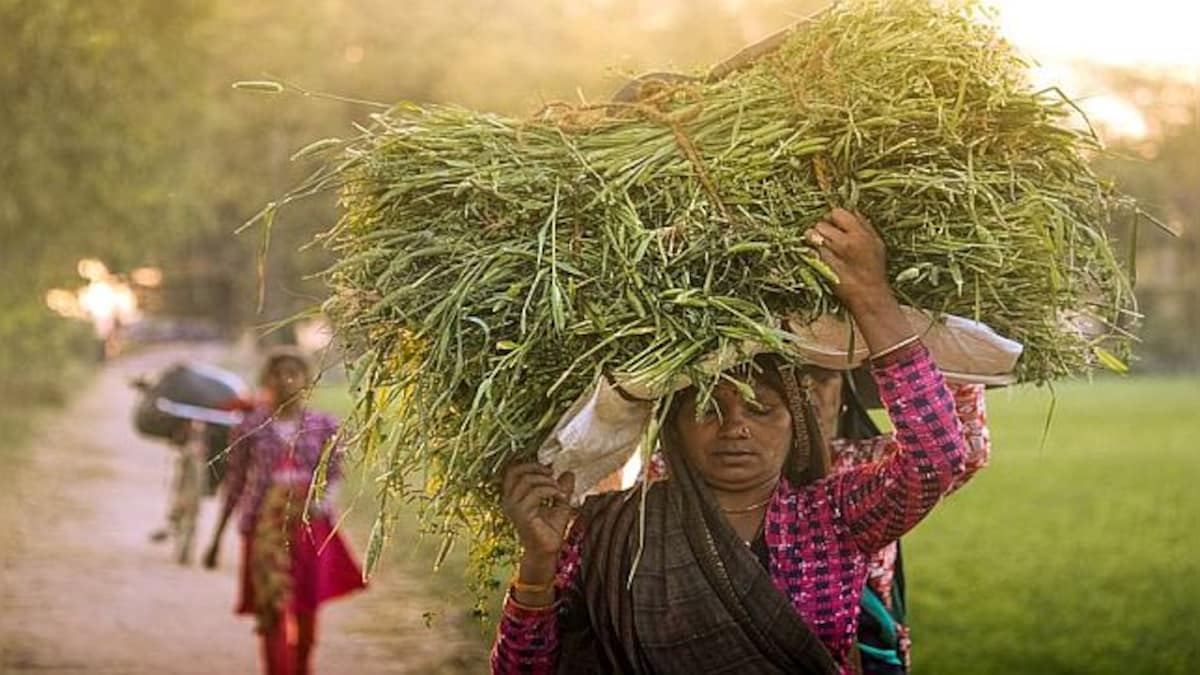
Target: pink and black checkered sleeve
{"x":527,"y":638}
{"x":880,"y":501}
{"x":972,"y":414}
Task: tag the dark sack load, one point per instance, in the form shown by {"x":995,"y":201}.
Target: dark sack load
{"x":192,"y":391}
{"x":194,"y":385}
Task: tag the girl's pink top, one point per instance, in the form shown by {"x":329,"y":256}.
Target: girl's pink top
{"x":260,"y":446}
{"x":822,"y":537}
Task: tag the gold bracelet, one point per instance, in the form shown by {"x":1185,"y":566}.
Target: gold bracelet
{"x":896,"y":347}
{"x":527,"y":608}
{"x":518,"y":585}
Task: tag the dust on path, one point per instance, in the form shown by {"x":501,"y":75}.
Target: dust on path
{"x":83,"y":590}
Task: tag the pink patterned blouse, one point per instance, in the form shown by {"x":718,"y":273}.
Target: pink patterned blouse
{"x":821,"y":538}
{"x":972,"y":414}
{"x":260,"y":443}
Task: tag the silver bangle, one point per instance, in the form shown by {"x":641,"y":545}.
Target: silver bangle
{"x":896,"y":347}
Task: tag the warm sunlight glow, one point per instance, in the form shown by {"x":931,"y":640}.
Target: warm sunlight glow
{"x":1059,"y":34}
{"x":1149,"y":32}
{"x":65,"y":303}
{"x":107,"y":301}
{"x":149,"y":277}
{"x":91,"y":269}
{"x":631,"y":471}
{"x":1116,"y":116}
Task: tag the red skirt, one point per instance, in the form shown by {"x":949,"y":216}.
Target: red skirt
{"x":322,"y":568}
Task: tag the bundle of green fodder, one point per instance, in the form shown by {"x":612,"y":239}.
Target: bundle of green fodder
{"x":492,"y":268}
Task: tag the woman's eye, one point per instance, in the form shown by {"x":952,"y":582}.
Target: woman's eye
{"x":759,"y":409}
{"x":706,"y":414}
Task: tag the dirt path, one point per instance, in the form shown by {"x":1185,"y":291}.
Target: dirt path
{"x":83,"y":590}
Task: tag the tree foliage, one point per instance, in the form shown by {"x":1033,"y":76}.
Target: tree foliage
{"x":90,"y":124}
{"x":1163,"y":170}
{"x":124,"y":140}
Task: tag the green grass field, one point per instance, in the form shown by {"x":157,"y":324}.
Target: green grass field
{"x":1079,"y":555}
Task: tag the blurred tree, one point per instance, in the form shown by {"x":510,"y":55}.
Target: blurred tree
{"x":1163,"y":170}
{"x":87,"y":166}
{"x":126,"y":142}
{"x":509,"y":57}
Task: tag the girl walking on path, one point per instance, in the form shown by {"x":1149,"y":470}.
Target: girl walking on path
{"x":290,"y":565}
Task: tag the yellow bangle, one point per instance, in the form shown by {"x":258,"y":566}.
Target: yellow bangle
{"x":527,"y":608}
{"x":896,"y":347}
{"x":518,"y":585}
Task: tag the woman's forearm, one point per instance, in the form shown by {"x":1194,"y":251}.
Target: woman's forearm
{"x":878,"y":317}
{"x":855,"y":253}
{"x":526,"y":641}
{"x":535,"y":576}
{"x":527,"y":636}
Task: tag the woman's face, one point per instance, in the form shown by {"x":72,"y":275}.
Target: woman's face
{"x":736,"y":444}
{"x":288,"y":379}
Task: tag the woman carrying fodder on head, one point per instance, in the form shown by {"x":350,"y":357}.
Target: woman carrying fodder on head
{"x":752,"y":558}
{"x":493,"y":270}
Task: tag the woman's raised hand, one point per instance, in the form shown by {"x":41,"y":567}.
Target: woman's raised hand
{"x":855,"y":252}
{"x":539,"y":508}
